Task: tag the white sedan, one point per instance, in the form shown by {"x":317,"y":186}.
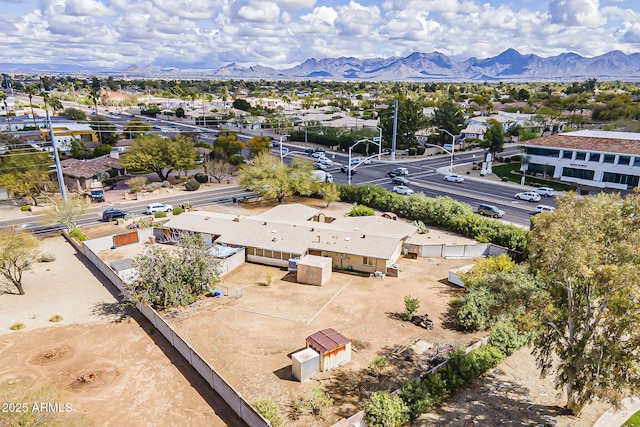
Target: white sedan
{"x":158,"y":207}
{"x":403,"y":189}
{"x":325,"y":161}
{"x":454,"y":178}
{"x":529,"y":196}
{"x":544,"y":208}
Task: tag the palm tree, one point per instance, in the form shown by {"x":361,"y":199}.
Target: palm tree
{"x":31,"y":90}
{"x":3,"y":97}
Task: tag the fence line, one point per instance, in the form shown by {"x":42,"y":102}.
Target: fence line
{"x":231,"y":396}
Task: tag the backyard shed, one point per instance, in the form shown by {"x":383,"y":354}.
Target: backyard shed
{"x":334,"y":348}
{"x":314,"y":270}
{"x":305,"y":364}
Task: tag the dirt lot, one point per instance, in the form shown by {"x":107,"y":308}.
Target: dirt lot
{"x":131,"y":375}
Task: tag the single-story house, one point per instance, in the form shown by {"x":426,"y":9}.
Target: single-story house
{"x":78,"y":173}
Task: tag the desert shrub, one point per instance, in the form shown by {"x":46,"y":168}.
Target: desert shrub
{"x":160,"y":215}
{"x":584,"y":191}
{"x":177,"y":211}
{"x":269,"y":278}
{"x":413,"y":151}
{"x":25,"y":208}
{"x":420,"y":150}
{"x":143,"y":222}
{"x":236,"y":159}
{"x":78,"y":235}
{"x":136,"y":184}
{"x":55,"y":318}
{"x":166,"y":184}
{"x":422,"y":228}
{"x":47,"y":257}
{"x":312,"y":403}
{"x":411,"y":305}
{"x":361,"y":210}
{"x":270,"y":411}
{"x":152,"y":186}
{"x":201,"y":178}
{"x":487,"y":357}
{"x":505,"y":179}
{"x":415,"y":396}
{"x":191,"y":185}
{"x":385,"y":410}
{"x":506,"y":338}
{"x":17,"y":326}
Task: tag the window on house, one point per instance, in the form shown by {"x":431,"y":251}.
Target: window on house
{"x":566,"y":154}
{"x":581,"y":155}
{"x":609,"y":158}
{"x":624,"y":160}
{"x":277,"y":255}
{"x":259,"y":252}
{"x":578,"y":173}
{"x":594,"y":157}
{"x":367,"y":261}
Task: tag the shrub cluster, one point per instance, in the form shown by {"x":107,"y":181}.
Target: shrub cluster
{"x":153,"y":186}
{"x":77,"y":234}
{"x":443,"y":212}
{"x":177,"y":211}
{"x":191,"y":185}
{"x":420,"y":395}
{"x":25,"y":208}
{"x":202,"y":178}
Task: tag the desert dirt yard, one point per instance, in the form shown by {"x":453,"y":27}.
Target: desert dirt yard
{"x":110,"y":367}
{"x":114,"y":369}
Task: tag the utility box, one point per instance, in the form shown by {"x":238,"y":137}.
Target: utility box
{"x":305,"y":364}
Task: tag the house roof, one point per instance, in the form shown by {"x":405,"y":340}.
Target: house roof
{"x":600,"y":141}
{"x":77,"y":168}
{"x":327,"y":340}
{"x":374,"y":237}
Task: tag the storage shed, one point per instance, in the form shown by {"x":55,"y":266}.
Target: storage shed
{"x":314,"y":270}
{"x":334,"y":348}
{"x":305,"y":364}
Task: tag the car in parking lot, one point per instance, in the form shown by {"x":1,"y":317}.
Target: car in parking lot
{"x":454,"y":178}
{"x":111,"y":214}
{"x":325,"y":161}
{"x":400,"y":180}
{"x":398,"y":172}
{"x":345,"y":168}
{"x":403,"y":189}
{"x":545,"y":191}
{"x":158,"y":207}
{"x":544,"y":208}
{"x":490,"y":210}
{"x":529,"y":196}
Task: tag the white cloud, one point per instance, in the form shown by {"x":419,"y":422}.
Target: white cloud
{"x":576,"y":12}
{"x":258,"y":11}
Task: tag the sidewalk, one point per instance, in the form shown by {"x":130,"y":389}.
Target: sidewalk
{"x":615,"y":418}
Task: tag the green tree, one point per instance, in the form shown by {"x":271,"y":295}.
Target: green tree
{"x":101,"y":150}
{"x":270,"y":177}
{"x":80,"y":150}
{"x":384,"y":410}
{"x":217,"y":169}
{"x":586,"y":255}
{"x":330,"y":192}
{"x":74,"y":114}
{"x":241,"y":104}
{"x":31,"y":91}
{"x":259,"y":145}
{"x":228,"y":144}
{"x":410,"y":120}
{"x":269,"y":410}
{"x":176,"y":278}
{"x":106,"y":130}
{"x":68,"y":213}
{"x":179,"y":112}
{"x":160,"y":155}
{"x":493,"y":137}
{"x":18,"y":251}
{"x":447,"y":116}
{"x":361,"y":210}
{"x":26,"y":173}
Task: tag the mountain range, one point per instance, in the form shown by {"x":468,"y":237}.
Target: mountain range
{"x":510,"y":65}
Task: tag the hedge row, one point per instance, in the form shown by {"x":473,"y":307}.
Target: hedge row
{"x":443,"y":212}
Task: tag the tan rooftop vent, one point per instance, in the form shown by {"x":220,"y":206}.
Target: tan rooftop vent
{"x":346,"y":239}
{"x":238,"y":218}
{"x":207,"y":218}
{"x":264,"y":223}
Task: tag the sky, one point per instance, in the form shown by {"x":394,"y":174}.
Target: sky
{"x":191,"y":34}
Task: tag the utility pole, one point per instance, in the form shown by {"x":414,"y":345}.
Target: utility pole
{"x":395,"y":131}
{"x":56,"y":157}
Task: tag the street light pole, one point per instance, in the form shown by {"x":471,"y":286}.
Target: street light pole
{"x":349,"y":165}
{"x":453,"y":147}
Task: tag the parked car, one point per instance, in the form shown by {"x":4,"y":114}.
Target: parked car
{"x":403,"y":189}
{"x":454,"y":178}
{"x":398,"y":172}
{"x":345,"y":168}
{"x":544,"y":208}
{"x":529,"y":196}
{"x":490,"y":210}
{"x":111,"y":214}
{"x":320,"y":166}
{"x":357,"y":160}
{"x":401,"y":180}
{"x":158,"y":207}
{"x":325,"y":161}
{"x":545,"y":191}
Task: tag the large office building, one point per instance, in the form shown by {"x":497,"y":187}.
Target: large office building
{"x":590,"y":158}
